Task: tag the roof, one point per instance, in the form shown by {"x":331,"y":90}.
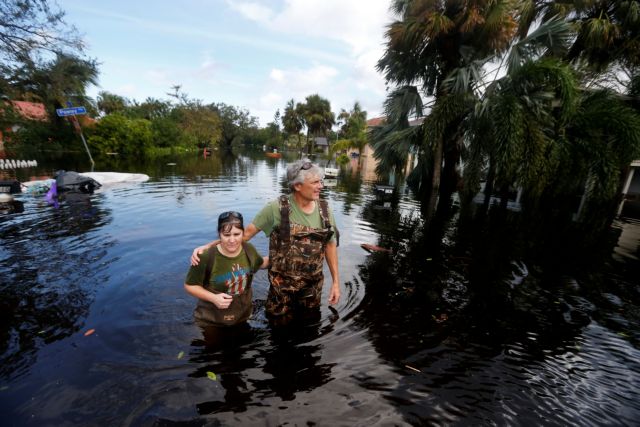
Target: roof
{"x":379,"y":121}
{"x":31,"y":110}
{"x":376,"y":121}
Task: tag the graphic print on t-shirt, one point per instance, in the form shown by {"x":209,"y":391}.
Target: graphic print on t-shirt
{"x":235,"y":280}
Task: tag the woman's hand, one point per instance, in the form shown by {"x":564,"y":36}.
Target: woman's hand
{"x":221,"y":301}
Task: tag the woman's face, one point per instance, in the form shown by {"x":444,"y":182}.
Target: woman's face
{"x":231,"y":239}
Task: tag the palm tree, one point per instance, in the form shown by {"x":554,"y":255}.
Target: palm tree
{"x":292,"y":122}
{"x":430,"y":41}
{"x":606,"y":30}
{"x":540,"y":131}
{"x":318,"y":117}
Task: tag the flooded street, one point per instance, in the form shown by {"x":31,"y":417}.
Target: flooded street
{"x":448,"y":328}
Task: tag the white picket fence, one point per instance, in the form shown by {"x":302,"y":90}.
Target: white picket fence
{"x":17,"y":164}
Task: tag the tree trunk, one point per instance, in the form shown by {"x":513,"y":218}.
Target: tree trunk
{"x":488,"y":186}
{"x":437,"y":167}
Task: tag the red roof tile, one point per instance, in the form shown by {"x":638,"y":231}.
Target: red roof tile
{"x":31,"y":110}
{"x":377,"y":121}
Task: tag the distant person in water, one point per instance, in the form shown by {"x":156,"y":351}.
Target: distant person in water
{"x":302,"y":233}
{"x":222,"y":279}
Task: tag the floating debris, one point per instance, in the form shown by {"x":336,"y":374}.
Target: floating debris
{"x":212,"y":376}
{"x":89,"y":332}
{"x":373,"y":248}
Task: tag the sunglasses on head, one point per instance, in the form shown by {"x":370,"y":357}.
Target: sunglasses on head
{"x":228,"y":214}
{"x":306,"y":166}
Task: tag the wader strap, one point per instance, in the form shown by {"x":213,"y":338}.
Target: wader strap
{"x":285,"y":225}
{"x":250,"y":258}
{"x":324,"y":213}
{"x":211,"y":259}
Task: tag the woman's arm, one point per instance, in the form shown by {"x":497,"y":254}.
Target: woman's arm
{"x":221,"y":300}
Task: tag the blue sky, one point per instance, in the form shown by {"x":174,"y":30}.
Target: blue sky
{"x":255,"y":55}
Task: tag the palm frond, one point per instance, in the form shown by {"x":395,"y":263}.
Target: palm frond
{"x":552,"y":36}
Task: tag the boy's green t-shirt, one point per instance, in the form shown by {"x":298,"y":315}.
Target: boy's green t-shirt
{"x":269,"y":217}
{"x":228,"y":275}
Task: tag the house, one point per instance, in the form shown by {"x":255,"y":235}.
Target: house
{"x":630,"y":204}
{"x":321,"y":144}
{"x":28,"y":111}
{"x":367,"y":162}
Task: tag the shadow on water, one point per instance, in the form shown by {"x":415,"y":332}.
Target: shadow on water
{"x":465,"y":308}
{"x":288,"y":357}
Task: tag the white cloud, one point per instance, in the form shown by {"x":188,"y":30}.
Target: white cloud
{"x":276,"y":75}
{"x":254,"y":11}
{"x":359,"y":24}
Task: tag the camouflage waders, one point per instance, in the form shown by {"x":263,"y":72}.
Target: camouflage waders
{"x":296,"y":253}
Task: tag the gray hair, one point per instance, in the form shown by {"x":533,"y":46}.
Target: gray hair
{"x":298,"y":172}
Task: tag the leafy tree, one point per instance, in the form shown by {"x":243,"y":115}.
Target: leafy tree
{"x":150,"y":109}
{"x":235,"y":122}
{"x":354,"y":127}
{"x":167,"y":133}
{"x":30,"y":27}
{"x":56,"y":82}
{"x":199,"y":123}
{"x":109,"y":103}
{"x":116,"y":133}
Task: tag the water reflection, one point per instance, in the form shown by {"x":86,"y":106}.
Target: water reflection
{"x":39,"y":249}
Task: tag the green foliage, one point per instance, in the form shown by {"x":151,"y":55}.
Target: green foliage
{"x":29,"y":27}
{"x":235,"y":123}
{"x":318,"y":116}
{"x":342,"y":159}
{"x":118,"y":134}
{"x":201,"y":125}
{"x":354,"y":127}
{"x":166,"y":133}
{"x":109,"y":103}
{"x":532,"y":126}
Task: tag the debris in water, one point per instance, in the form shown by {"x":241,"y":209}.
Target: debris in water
{"x":373,"y":248}
{"x":212,"y":376}
{"x":89,"y":332}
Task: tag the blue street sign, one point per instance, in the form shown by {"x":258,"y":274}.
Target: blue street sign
{"x":72,"y":111}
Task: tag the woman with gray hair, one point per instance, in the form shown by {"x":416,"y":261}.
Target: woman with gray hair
{"x":302,"y":234}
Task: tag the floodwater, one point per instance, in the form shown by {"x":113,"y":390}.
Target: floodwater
{"x":452,"y":327}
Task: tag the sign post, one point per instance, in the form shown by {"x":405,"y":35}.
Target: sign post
{"x":72,"y":112}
